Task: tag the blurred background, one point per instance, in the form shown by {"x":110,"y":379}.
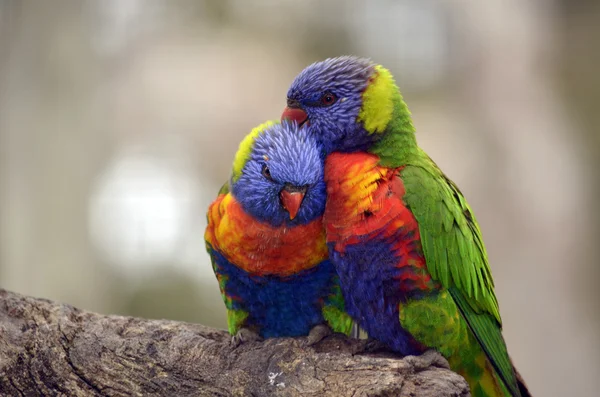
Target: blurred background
{"x":119,"y":120}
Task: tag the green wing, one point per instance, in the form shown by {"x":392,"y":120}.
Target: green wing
{"x":451,"y":239}
{"x":456,"y":257}
{"x":334,"y":310}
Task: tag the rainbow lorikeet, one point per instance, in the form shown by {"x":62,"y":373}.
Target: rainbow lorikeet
{"x":409,"y":253}
{"x":267,"y":242}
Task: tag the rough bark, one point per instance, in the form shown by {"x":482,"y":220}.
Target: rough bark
{"x":47,"y":348}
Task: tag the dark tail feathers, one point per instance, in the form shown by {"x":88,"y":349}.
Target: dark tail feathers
{"x":521,"y":382}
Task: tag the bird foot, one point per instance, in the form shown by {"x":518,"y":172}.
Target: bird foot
{"x":355,"y":332}
{"x":430,"y":358}
{"x":245,"y":335}
{"x":369,"y":345}
{"x":317,"y":334}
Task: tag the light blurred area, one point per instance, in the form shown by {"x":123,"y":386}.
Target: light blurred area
{"x":119,"y":120}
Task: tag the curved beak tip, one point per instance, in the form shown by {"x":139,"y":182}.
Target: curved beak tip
{"x":294,"y":114}
{"x":291,"y":202}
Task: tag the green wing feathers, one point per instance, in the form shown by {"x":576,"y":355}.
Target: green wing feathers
{"x":488,"y":333}
{"x":456,"y":257}
{"x":334,"y":311}
{"x":450,"y":236}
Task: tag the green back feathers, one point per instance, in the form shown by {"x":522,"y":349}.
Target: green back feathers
{"x":450,"y":236}
{"x":398,"y":145}
{"x":489,"y":335}
{"x":456,"y":257}
{"x":243,"y":154}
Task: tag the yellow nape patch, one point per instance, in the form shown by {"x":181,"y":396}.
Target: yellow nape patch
{"x":243,"y":153}
{"x":377,"y":108}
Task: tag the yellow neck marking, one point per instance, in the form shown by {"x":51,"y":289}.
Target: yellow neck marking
{"x":377,"y":108}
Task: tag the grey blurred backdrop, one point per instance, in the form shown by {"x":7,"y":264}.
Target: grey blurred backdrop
{"x":119,"y":120}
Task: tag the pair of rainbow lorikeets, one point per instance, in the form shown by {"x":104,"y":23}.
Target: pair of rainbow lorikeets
{"x":336,"y":216}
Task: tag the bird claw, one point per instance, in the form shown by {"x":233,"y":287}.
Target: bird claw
{"x":367,"y":346}
{"x":430,"y":358}
{"x":355,"y":332}
{"x":317,"y":334}
{"x":245,"y":335}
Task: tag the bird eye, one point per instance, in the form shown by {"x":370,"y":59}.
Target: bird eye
{"x":328,"y":99}
{"x":266,"y":173}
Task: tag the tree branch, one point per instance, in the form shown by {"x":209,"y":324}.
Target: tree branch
{"x":52,"y":349}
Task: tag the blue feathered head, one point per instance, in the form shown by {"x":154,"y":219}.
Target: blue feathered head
{"x":349,"y":101}
{"x":278,"y":175}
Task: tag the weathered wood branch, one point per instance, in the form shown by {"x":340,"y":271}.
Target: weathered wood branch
{"x":53,"y":349}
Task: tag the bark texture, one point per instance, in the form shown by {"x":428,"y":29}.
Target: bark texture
{"x":51,"y":349}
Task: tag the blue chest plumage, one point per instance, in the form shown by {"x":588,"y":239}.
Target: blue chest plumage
{"x":279,"y":306}
{"x":369,"y":281}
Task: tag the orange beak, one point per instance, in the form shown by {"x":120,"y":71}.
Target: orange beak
{"x":294,"y":114}
{"x":291,"y":199}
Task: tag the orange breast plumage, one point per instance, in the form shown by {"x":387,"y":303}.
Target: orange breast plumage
{"x":259,"y":248}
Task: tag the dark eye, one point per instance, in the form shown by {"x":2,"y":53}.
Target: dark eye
{"x":266,"y":173}
{"x":328,"y":99}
